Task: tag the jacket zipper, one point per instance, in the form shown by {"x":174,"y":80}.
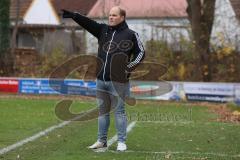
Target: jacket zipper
{"x":106,"y":61}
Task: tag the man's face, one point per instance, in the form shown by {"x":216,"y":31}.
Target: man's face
{"x":114,"y":17}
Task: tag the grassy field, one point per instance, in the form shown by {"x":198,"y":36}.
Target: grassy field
{"x":162,"y":131}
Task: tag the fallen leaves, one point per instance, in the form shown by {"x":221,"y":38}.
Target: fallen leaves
{"x":226,"y":115}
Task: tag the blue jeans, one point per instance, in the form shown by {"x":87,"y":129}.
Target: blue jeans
{"x":111,"y":98}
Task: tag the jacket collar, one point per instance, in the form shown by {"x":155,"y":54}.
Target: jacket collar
{"x":123,"y":25}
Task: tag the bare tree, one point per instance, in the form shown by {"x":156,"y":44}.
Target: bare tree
{"x":201,"y":16}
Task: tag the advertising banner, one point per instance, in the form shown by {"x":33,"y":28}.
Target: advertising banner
{"x":237,"y":94}
{"x":8,"y":85}
{"x":38,"y":86}
{"x":79,"y":87}
{"x":149,"y":90}
{"x":153,"y":90}
{"x":46,"y":86}
{"x":211,"y":92}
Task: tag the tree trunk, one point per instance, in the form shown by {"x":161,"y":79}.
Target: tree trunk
{"x":4,"y":35}
{"x":201,"y":16}
{"x":14,"y":35}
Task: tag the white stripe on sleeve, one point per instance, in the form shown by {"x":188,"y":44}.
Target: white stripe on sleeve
{"x":140,"y":55}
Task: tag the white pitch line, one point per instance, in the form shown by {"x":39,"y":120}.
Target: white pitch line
{"x":38,"y":135}
{"x":180,"y":152}
{"x":32,"y":138}
{"x":114,"y":138}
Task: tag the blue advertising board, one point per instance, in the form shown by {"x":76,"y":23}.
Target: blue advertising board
{"x":79,"y":87}
{"x":46,"y":86}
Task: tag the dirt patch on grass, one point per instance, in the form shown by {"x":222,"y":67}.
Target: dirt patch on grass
{"x":226,"y":114}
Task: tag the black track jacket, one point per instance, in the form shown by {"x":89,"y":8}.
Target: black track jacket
{"x":120,"y":48}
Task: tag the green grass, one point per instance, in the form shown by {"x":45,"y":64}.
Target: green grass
{"x":163,"y":131}
{"x":20,"y":118}
{"x":233,"y":107}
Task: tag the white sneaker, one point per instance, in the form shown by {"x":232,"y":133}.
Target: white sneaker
{"x":121,"y":147}
{"x":99,"y":146}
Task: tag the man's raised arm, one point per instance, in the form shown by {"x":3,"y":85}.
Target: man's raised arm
{"x":90,"y":25}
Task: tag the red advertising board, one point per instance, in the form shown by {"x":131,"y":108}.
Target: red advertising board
{"x":8,"y":85}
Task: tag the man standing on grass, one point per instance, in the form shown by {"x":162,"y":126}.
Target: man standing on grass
{"x":120,"y":51}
